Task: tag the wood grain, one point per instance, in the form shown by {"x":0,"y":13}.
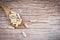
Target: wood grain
{"x":46,"y":12}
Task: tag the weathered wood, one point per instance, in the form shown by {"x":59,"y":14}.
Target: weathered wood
{"x":46,"y":12}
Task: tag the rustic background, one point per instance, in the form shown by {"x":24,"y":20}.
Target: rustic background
{"x":47,"y":12}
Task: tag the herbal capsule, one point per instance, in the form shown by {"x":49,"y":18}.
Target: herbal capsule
{"x":20,"y":21}
{"x":18,"y":15}
{"x":26,"y":25}
{"x":17,"y":24}
{"x":24,"y":34}
{"x":12,"y":16}
{"x":13,"y":20}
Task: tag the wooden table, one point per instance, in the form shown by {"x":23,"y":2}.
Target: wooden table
{"x":46,"y":12}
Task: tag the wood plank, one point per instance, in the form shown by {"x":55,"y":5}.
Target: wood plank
{"x":30,"y":31}
{"x":46,"y":36}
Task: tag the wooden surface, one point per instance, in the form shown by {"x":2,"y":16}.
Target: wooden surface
{"x":47,"y":12}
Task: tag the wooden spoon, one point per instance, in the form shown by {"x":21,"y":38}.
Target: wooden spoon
{"x":9,"y":12}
